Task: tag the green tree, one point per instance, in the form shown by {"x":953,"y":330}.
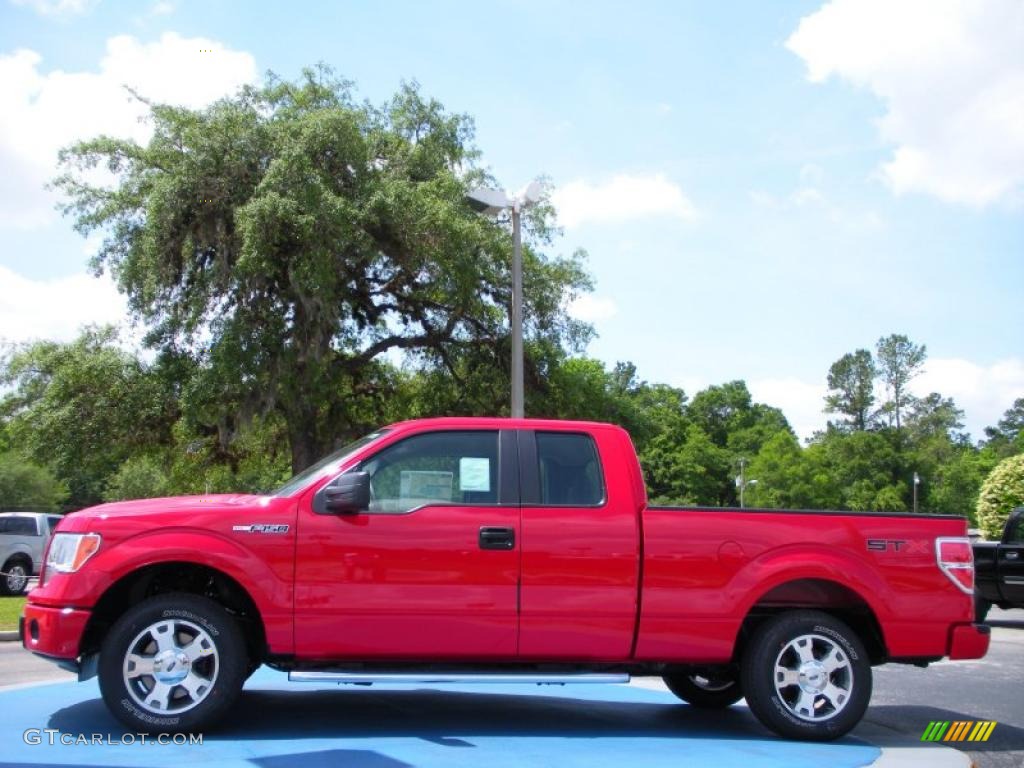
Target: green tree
{"x":84,"y":407}
{"x":1001,"y":493}
{"x":899,"y":362}
{"x":851,"y":381}
{"x":688,"y":473}
{"x":290,"y":238}
{"x":140,"y":477}
{"x":24,"y":485}
{"x":1007,"y":437}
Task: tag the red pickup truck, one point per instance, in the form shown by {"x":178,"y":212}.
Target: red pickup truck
{"x":482,"y":550}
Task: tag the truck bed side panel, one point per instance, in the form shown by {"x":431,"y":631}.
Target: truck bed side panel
{"x":705,"y":569}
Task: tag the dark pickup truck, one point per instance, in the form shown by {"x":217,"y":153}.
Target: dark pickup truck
{"x":999,"y":568}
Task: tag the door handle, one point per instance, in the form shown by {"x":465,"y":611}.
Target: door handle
{"x":497,"y":538}
{"x":1011,"y":555}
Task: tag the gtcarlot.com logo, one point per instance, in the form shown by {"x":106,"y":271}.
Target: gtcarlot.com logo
{"x":52,"y":737}
{"x":958,"y":730}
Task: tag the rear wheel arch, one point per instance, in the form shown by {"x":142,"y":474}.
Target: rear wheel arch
{"x":177,"y":577}
{"x":820,"y":594}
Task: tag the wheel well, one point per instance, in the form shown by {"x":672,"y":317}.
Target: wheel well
{"x":823,"y":595}
{"x":163,"y":578}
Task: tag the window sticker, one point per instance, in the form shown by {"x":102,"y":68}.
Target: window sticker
{"x":474,"y":474}
{"x":418,"y":484}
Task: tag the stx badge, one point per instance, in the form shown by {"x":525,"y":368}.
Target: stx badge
{"x":260,"y":528}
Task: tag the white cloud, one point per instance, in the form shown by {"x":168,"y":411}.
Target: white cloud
{"x":951,"y":75}
{"x":43,"y":111}
{"x":56,"y":309}
{"x":57,"y":8}
{"x":589,"y":308}
{"x":161,"y":8}
{"x":623,"y":198}
{"x":984,"y":392}
{"x":801,"y":402}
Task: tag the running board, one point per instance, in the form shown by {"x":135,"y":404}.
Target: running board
{"x":366,"y":678}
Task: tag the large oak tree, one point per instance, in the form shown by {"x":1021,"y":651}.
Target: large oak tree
{"x":293,"y":239}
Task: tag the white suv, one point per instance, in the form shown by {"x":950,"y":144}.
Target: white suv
{"x":23,"y":537}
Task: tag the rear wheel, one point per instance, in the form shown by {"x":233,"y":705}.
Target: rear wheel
{"x":711,"y":688}
{"x":172,"y":663}
{"x":15,"y":579}
{"x":806,"y":675}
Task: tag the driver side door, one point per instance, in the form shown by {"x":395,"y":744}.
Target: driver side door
{"x":430,"y":570}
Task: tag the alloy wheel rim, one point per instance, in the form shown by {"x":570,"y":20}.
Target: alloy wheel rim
{"x":171,"y":666}
{"x":16,"y":578}
{"x":813,"y":678}
{"x":713,"y":684}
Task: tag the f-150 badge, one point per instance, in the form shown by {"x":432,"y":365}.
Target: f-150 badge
{"x":260,"y":528}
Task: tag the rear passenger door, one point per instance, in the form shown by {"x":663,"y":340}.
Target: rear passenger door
{"x":580,"y":548}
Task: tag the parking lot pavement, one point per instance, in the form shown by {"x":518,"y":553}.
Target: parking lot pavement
{"x":18,"y":666}
{"x":277,"y":723}
{"x":396,"y":726}
{"x":906,"y":698}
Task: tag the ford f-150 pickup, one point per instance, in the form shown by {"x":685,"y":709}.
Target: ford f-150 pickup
{"x":482,"y":550}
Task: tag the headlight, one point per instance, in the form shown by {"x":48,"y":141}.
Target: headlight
{"x":69,"y":551}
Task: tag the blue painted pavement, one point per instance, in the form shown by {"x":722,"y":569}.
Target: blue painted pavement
{"x":485,"y":726}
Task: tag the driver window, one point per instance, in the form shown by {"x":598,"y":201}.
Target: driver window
{"x":434,"y":468}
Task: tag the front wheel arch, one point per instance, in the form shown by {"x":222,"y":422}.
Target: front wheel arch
{"x":179,"y":577}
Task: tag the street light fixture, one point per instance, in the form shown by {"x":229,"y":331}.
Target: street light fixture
{"x":741,"y":481}
{"x":491,"y":202}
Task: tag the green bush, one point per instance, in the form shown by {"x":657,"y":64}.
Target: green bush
{"x":140,"y":477}
{"x":1001,"y":493}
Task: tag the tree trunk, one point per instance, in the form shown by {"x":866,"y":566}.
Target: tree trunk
{"x":304,"y":438}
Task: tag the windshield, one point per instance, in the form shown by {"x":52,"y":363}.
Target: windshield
{"x":301,"y":479}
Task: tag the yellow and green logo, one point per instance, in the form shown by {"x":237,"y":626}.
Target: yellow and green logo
{"x":959,"y":730}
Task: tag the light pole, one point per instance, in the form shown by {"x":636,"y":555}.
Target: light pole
{"x":917,"y":482}
{"x":491,"y":202}
{"x":742,"y":482}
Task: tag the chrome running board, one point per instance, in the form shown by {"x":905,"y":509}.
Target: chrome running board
{"x":365,"y":678}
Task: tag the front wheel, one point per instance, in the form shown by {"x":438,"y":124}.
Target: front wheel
{"x":715,"y":688}
{"x":173,"y":663}
{"x":806,"y":675}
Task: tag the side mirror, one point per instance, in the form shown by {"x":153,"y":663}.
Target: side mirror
{"x":348,"y":494}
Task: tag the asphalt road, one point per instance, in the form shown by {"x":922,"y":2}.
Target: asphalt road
{"x":905,"y":698}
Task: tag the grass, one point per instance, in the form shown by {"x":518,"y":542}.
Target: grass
{"x":10,"y":610}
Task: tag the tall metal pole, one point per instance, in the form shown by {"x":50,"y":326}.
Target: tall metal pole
{"x":518,"y":408}
{"x":743,"y":481}
{"x":917,"y":481}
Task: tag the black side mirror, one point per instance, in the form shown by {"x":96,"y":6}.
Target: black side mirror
{"x":348,"y":494}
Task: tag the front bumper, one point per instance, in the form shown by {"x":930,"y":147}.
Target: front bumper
{"x":969,"y":641}
{"x":52,"y":632}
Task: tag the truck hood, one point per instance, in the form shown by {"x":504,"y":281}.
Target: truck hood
{"x":211,"y":503}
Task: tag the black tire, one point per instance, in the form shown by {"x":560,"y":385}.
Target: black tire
{"x":713,"y":688}
{"x":981,"y":607}
{"x":195,"y":625}
{"x":838,"y":690}
{"x":17,"y":571}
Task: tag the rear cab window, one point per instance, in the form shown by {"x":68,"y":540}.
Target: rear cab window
{"x":569,"y":470}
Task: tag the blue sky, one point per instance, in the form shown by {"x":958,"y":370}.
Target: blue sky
{"x":761,"y":187}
